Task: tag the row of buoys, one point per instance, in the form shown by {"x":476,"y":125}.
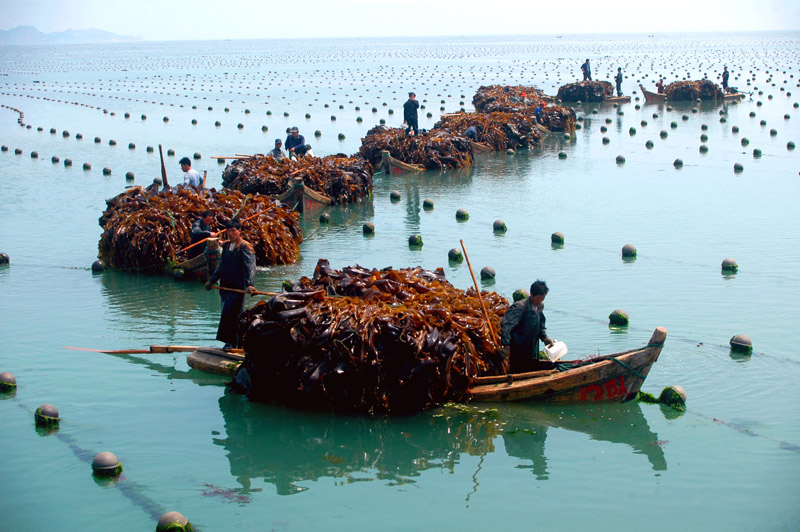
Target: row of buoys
{"x":105,"y":464}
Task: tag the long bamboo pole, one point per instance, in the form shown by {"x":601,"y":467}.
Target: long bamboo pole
{"x":190,"y":246}
{"x":480,"y":297}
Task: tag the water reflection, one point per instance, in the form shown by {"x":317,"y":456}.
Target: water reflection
{"x":286,"y":447}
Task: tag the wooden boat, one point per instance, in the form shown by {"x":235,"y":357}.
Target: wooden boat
{"x":652,"y":97}
{"x":730,"y":96}
{"x":298,"y":193}
{"x":618,"y":99}
{"x":203,"y":265}
{"x":214,"y":360}
{"x":610,"y":378}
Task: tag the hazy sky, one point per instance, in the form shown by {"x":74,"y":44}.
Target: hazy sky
{"x":251,"y":19}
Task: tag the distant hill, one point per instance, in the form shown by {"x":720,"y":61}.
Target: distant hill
{"x":31,"y":35}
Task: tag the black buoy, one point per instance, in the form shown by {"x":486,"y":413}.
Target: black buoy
{"x":98,"y":266}
{"x":677,"y":163}
{"x":487,"y":272}
{"x":174,"y":522}
{"x":4,"y":259}
{"x":415,"y":241}
{"x":455,"y":255}
{"x":368,"y":228}
{"x":674,"y":396}
{"x":499,"y":226}
{"x":741,"y":343}
{"x":462,"y":215}
{"x":112,"y":142}
{"x":628,"y":251}
{"x":8,"y":383}
{"x":620,"y":159}
{"x":557,"y":238}
{"x":324,"y":218}
{"x":106,"y":464}
{"x":394,"y":195}
{"x":129,"y":176}
{"x":427,"y":204}
{"x":619,"y":318}
{"x":87,"y":166}
{"x":519,"y":294}
{"x":106,"y":171}
{"x":67,"y":162}
{"x":46,"y":416}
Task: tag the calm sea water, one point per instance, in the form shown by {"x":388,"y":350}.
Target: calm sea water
{"x":730,"y":462}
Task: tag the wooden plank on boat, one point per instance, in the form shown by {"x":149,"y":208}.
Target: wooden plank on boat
{"x":617,"y":99}
{"x":480,"y":146}
{"x":614,"y":378}
{"x":212,"y":360}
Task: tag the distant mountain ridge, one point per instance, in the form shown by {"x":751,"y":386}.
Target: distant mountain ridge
{"x":31,"y":35}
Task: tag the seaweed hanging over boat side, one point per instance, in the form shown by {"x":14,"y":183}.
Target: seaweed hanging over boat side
{"x":691,"y":90}
{"x":369,"y":340}
{"x":146,"y":231}
{"x":436,"y":149}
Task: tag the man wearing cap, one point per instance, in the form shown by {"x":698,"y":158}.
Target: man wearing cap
{"x":277,"y":152}
{"x":522,"y":326}
{"x":236,"y":271}
{"x":201,"y":230}
{"x":190,"y":176}
{"x":296,"y":144}
{"x":410,"y":113}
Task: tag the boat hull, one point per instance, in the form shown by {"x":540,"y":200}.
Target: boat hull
{"x":614,"y":378}
{"x":212,"y":360}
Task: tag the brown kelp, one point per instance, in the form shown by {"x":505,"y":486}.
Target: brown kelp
{"x":524,"y":100}
{"x":145,"y":231}
{"x":341,"y":178}
{"x":368,"y":340}
{"x":435,"y":149}
{"x":691,"y":90}
{"x":586,"y":91}
{"x":500,"y":130}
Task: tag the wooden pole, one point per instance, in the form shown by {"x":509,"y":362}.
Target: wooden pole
{"x":190,"y":246}
{"x":163,"y":168}
{"x":254,"y":292}
{"x":480,"y":297}
{"x":205,"y":176}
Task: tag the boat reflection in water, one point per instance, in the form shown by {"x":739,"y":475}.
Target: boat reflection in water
{"x":285,"y":447}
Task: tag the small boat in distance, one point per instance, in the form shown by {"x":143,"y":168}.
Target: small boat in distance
{"x":652,"y":97}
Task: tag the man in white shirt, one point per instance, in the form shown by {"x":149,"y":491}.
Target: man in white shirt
{"x":190,"y":176}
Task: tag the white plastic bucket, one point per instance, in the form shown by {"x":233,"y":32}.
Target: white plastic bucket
{"x":556,"y":351}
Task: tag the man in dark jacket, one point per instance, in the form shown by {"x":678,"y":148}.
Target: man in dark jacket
{"x":236,"y":270}
{"x":296,"y":144}
{"x":522,"y":327}
{"x":725,"y":77}
{"x":410,"y":113}
{"x":587,"y":71}
{"x":201,"y":230}
{"x":618,"y":81}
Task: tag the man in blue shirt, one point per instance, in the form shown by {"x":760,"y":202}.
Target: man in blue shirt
{"x":296,"y":144}
{"x":190,"y":176}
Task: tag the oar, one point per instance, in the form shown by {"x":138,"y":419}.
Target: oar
{"x":110,"y":352}
{"x":480,"y":297}
{"x":163,"y":168}
{"x":153,"y":349}
{"x":254,"y":292}
{"x":190,"y":246}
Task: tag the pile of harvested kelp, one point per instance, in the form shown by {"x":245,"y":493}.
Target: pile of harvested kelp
{"x":145,"y":231}
{"x":341,"y":178}
{"x":586,"y":91}
{"x":691,"y":90}
{"x":506,"y":98}
{"x":435,"y":149}
{"x":499,"y":130}
{"x":368,"y":341}
{"x":558,"y":118}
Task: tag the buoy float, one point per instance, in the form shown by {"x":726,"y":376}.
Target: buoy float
{"x":557,"y":238}
{"x":462,"y":215}
{"x":129,"y":176}
{"x":415,"y":241}
{"x":619,"y":318}
{"x":628,"y":251}
{"x":394,"y":195}
{"x":8,"y":383}
{"x":368,"y":228}
{"x":427,"y":204}
{"x":174,"y":522}
{"x":87,"y":166}
{"x":4,"y":259}
{"x":324,"y":218}
{"x":487,"y":272}
{"x":741,"y":343}
{"x":677,"y":163}
{"x":519,"y":294}
{"x":98,"y":266}
{"x":620,"y":159}
{"x":499,"y":226}
{"x":674,"y":396}
{"x":106,"y":464}
{"x":455,"y":255}
{"x":46,"y":416}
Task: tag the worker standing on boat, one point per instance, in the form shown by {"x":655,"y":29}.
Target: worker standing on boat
{"x":236,"y":270}
{"x":201,"y":230}
{"x":587,"y":71}
{"x":277,"y":152}
{"x":618,"y":81}
{"x":190,"y":176}
{"x":522,"y":327}
{"x":660,"y":86}
{"x":410,"y":113}
{"x":725,"y":76}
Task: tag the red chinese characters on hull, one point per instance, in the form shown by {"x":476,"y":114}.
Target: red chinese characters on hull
{"x":609,"y":390}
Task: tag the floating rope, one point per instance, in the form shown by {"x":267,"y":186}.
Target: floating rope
{"x":626,"y":366}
